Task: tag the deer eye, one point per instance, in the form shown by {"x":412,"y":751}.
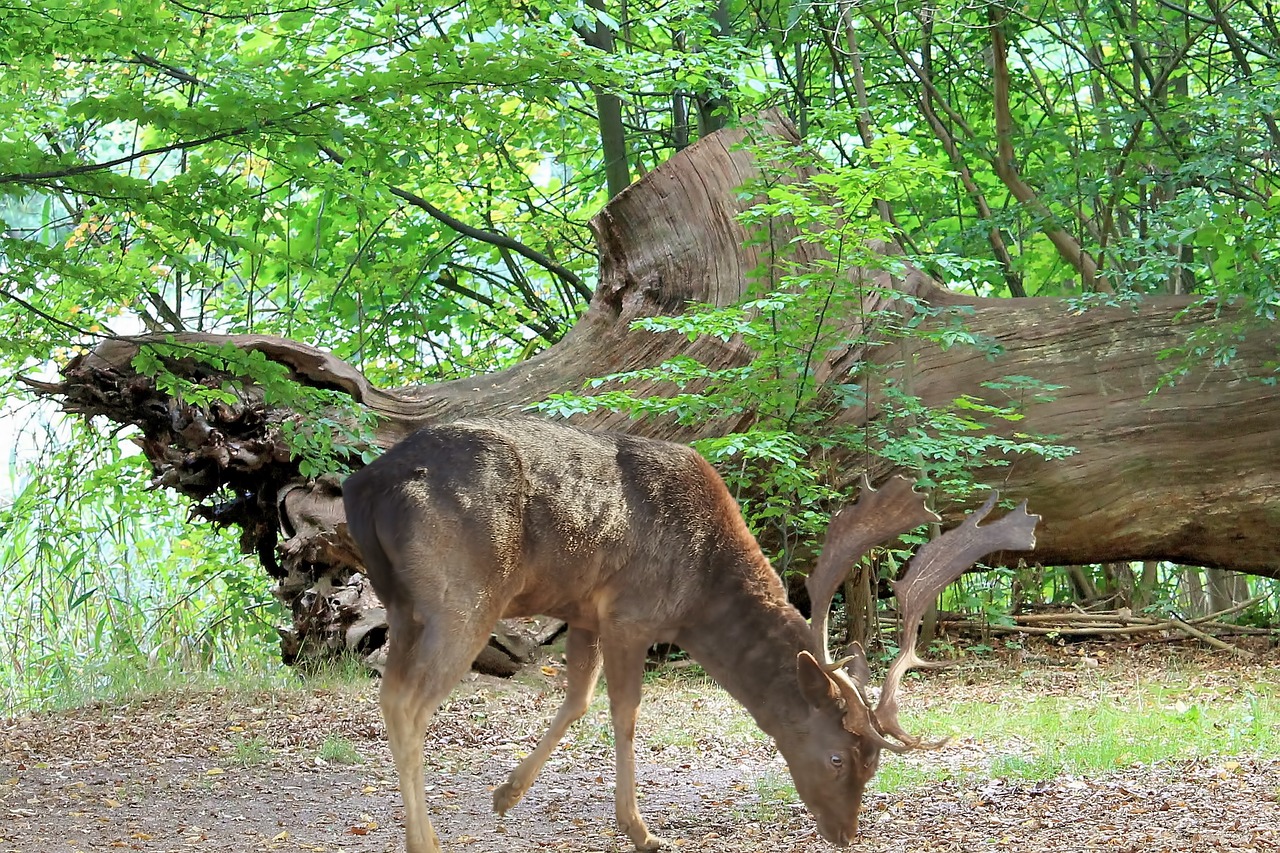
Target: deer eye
{"x":837,"y":761}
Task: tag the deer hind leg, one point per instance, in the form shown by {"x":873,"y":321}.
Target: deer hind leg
{"x":582,"y":658}
{"x":423,"y":665}
{"x":624,"y":671}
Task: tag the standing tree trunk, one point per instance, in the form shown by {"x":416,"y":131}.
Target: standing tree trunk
{"x":1191,"y":474}
{"x":613,"y":134}
{"x":714,"y":109}
{"x":860,"y":611}
{"x":1226,"y":589}
{"x":1193,"y":598}
{"x":1145,"y":594}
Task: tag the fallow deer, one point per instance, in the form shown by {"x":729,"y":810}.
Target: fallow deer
{"x":630,"y":541}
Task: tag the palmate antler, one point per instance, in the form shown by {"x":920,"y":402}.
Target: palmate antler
{"x":934,"y":566}
{"x":877,"y":517}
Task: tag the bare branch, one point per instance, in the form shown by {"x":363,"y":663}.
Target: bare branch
{"x":502,"y":241}
{"x":1011,"y":277}
{"x":1068,"y":246}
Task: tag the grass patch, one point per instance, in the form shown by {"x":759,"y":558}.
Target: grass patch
{"x":1109,"y":735}
{"x":71,"y":682}
{"x":1106,"y":729}
{"x":1035,"y":768}
{"x":109,"y":592}
{"x":122,"y":679}
{"x":774,"y":794}
{"x":338,"y":750}
{"x":247,"y":751}
{"x":894,"y":776}
{"x":335,"y":673}
{"x":682,"y":669}
{"x":774,"y":797}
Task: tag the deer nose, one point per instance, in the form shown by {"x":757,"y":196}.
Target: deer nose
{"x":840,"y":840}
{"x":840,"y":836}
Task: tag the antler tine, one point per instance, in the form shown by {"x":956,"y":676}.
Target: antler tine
{"x":935,"y":565}
{"x":877,"y":516}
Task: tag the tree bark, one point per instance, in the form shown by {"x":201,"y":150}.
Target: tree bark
{"x":613,"y":134}
{"x":1189,"y":474}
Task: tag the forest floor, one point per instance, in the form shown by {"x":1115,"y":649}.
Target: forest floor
{"x":308,"y":769}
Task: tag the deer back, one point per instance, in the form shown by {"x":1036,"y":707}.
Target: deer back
{"x":552,"y":519}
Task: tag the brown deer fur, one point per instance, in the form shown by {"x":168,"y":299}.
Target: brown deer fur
{"x":631,"y":541}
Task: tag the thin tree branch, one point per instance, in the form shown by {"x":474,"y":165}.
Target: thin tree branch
{"x":1234,"y":41}
{"x":450,"y":283}
{"x":175,"y":73}
{"x":908,"y":59}
{"x":863,"y":115}
{"x":502,"y":241}
{"x":1012,"y":279}
{"x":489,"y":237}
{"x":89,"y":168}
{"x":1245,"y":40}
{"x":49,"y":318}
{"x":1068,"y":247}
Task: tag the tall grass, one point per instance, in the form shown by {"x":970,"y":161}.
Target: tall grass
{"x":105,"y":586}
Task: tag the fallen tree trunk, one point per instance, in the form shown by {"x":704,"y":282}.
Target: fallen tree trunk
{"x":1191,"y":474}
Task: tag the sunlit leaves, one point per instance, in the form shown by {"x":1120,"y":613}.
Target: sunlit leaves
{"x":275,"y":139}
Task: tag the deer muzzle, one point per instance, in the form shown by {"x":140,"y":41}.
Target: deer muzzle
{"x":839,"y":833}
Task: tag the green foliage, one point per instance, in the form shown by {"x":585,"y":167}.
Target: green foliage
{"x":297,"y":171}
{"x":779,"y":465}
{"x":107,"y":586}
{"x":281,"y":171}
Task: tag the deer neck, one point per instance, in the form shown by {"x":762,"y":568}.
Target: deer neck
{"x":747,"y":640}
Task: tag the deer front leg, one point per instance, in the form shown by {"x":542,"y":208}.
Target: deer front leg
{"x":624,"y":670}
{"x":582,"y":659}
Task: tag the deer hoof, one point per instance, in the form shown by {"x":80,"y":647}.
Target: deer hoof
{"x":505,"y":796}
{"x":650,"y":844}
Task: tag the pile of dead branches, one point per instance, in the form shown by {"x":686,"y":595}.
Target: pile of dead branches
{"x":1124,"y":624}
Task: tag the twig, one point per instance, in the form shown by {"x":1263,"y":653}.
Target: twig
{"x":1235,"y":608}
{"x":502,"y":241}
{"x":1208,"y":638}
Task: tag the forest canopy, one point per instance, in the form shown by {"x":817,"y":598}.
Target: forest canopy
{"x":410,"y":188}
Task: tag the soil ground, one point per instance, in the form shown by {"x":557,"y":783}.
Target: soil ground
{"x":236,"y":771}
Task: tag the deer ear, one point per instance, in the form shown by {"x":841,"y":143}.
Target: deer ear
{"x":815,"y":685}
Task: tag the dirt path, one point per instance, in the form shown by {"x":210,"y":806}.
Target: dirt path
{"x":234,"y":772}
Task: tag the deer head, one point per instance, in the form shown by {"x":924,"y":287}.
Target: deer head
{"x":829,"y":775}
